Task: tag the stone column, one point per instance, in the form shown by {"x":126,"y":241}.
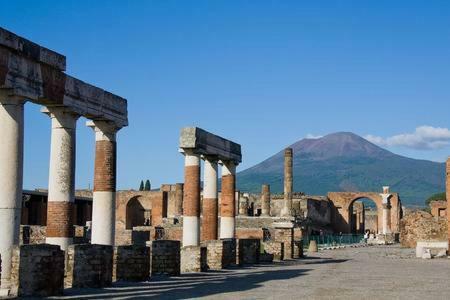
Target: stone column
{"x":11,"y":170}
{"x":386,"y":210}
{"x":287,"y":205}
{"x":191,"y":205}
{"x":228,"y":198}
{"x":265,"y":200}
{"x":448,"y":198}
{"x":61,"y":181}
{"x":104,"y":197}
{"x":210,"y":202}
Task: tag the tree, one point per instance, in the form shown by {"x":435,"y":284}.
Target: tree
{"x":147,"y":185}
{"x":436,"y":197}
{"x":141,"y":187}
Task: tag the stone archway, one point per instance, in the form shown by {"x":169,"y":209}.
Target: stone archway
{"x":137,"y":214}
{"x":342,"y":204}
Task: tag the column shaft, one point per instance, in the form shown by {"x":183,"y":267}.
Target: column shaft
{"x":228,"y":198}
{"x":288,"y":183}
{"x":11,"y":170}
{"x":210,"y":202}
{"x":191,"y":205}
{"x":104,"y":198}
{"x":386,"y":219}
{"x":265,"y":200}
{"x":61,"y":182}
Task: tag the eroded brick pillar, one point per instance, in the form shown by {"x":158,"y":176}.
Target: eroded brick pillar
{"x":448,"y":197}
{"x":191,"y":201}
{"x":11,"y":170}
{"x":210,"y":202}
{"x":265,"y":200}
{"x":286,"y":211}
{"x":61,"y":182}
{"x":104,"y":198}
{"x":228,"y":198}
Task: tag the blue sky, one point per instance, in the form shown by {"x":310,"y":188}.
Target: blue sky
{"x":262,"y":73}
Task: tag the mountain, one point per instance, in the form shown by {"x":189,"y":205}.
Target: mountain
{"x":347,"y":162}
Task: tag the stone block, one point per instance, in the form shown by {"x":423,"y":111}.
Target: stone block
{"x":434,"y":248}
{"x":275,"y":249}
{"x":298,"y":249}
{"x":249,"y":251}
{"x":193,"y":259}
{"x":88,"y":266}
{"x":131,"y":263}
{"x":165,"y":257}
{"x":220,"y":254}
{"x":37,"y":270}
{"x":313,"y":247}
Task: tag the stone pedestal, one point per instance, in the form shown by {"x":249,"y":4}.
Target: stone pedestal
{"x":313,"y":247}
{"x":131,"y":263}
{"x":165,"y":257}
{"x":248,"y":251}
{"x":298,"y":249}
{"x":275,"y":249}
{"x":193,"y":259}
{"x":284,"y":233}
{"x":220,"y":254}
{"x":88,"y":266}
{"x":37,"y":271}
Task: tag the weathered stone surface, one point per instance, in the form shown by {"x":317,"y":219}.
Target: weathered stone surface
{"x":248,"y":251}
{"x":298,"y":249}
{"x":423,"y":226}
{"x":205,"y":143}
{"x":275,"y":249}
{"x":37,"y":270}
{"x":165,"y":257}
{"x":131,"y":263}
{"x":313,"y":248}
{"x":193,"y":259}
{"x":88,"y":266}
{"x":32,"y":234}
{"x":284,"y":233}
{"x":221,"y":254}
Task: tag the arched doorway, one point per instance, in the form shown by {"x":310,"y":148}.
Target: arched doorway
{"x":363,"y":216}
{"x":137,"y":214}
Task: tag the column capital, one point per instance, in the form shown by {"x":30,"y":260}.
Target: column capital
{"x":65,"y":117}
{"x":104,"y":130}
{"x":210,"y":158}
{"x":7,"y":97}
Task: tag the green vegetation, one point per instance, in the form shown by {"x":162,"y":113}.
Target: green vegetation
{"x":147,"y":186}
{"x":141,"y":186}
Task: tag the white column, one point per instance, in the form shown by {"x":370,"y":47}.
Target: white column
{"x":386,"y":210}
{"x":191,"y":201}
{"x":228,"y":198}
{"x":61,"y":183}
{"x":11,"y":177}
{"x":104,"y":196}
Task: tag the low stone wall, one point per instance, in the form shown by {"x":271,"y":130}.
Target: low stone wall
{"x":193,"y":259}
{"x":422,"y":226}
{"x":131,"y":263}
{"x":32,"y":234}
{"x":275,"y":249}
{"x":248,"y":251}
{"x":221,"y":254}
{"x":165,"y":257}
{"x":88,"y":266}
{"x":37,"y":270}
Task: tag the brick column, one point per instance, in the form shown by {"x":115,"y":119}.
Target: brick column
{"x":104,"y":198}
{"x":210,"y":202}
{"x":228,"y":198}
{"x":11,"y":170}
{"x":191,"y":205}
{"x":265,"y":200}
{"x":179,"y":188}
{"x":288,"y":183}
{"x":61,"y":182}
{"x":448,"y":197}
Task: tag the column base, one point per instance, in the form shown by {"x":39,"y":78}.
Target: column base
{"x":63,"y":242}
{"x":191,"y":231}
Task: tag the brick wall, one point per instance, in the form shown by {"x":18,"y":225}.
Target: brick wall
{"x":88,"y":266}
{"x":131,"y":263}
{"x":37,"y":270}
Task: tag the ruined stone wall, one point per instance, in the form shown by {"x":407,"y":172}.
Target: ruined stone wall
{"x":220,"y":254}
{"x":275,"y":249}
{"x":439,"y":209}
{"x":193,"y":259}
{"x":37,"y":270}
{"x":248,"y":251}
{"x":422,"y":226}
{"x":88,"y":266}
{"x":32,"y":234}
{"x":131,"y":263}
{"x":371,"y":221}
{"x":165,"y":257}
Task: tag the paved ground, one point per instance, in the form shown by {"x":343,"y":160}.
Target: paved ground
{"x":354,"y":273}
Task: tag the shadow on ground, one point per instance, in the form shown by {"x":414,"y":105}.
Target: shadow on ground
{"x":201,"y":284}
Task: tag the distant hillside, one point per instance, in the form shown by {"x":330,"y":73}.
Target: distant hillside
{"x":347,"y":162}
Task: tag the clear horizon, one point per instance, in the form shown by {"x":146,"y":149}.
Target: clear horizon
{"x":263,"y":74}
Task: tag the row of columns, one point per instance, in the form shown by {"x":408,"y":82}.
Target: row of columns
{"x":210,"y":207}
{"x":61,"y":186}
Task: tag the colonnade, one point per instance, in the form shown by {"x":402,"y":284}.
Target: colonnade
{"x":193,"y":233}
{"x":61,"y":185}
